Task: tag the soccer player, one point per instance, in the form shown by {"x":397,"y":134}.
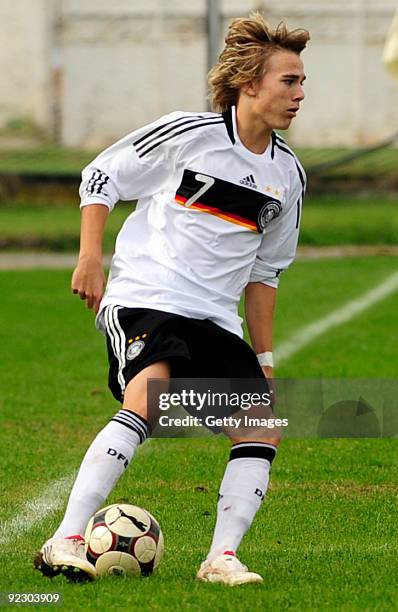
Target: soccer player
{"x":219,"y":205}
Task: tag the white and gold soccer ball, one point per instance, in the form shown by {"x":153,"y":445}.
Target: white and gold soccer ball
{"x":123,"y":539}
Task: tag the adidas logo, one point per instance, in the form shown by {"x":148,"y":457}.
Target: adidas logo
{"x":249,"y":181}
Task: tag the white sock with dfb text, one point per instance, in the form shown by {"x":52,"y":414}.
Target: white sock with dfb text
{"x":105,"y":461}
{"x":242,"y":491}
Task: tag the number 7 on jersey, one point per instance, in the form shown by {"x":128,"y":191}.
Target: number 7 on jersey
{"x":208,"y":181}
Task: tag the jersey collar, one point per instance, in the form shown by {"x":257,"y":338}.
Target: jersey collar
{"x":229,"y":117}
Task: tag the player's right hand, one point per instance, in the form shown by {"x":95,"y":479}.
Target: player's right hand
{"x":88,"y":281}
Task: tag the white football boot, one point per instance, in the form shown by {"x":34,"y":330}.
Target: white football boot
{"x":66,"y":556}
{"x":227,"y":569}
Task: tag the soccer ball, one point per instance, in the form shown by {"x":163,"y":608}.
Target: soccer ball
{"x":122,"y":539}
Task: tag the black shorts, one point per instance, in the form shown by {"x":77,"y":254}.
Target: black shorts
{"x":137,"y":337}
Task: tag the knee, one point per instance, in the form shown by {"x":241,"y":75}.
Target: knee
{"x":258,"y":437}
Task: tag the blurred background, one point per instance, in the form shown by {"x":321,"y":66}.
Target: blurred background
{"x":76,"y":75}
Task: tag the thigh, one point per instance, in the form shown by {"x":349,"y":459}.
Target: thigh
{"x":219,"y":354}
{"x":136,"y":339}
{"x":136,"y":394}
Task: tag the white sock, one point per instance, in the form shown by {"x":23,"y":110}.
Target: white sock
{"x":242,"y":490}
{"x":105,"y":461}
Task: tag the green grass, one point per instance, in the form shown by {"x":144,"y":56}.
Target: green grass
{"x":329,"y":221}
{"x":52,"y":160}
{"x":325,"y":538}
{"x":325,"y":222}
{"x":54,"y":229}
{"x":363,"y":347}
{"x":369,"y":166}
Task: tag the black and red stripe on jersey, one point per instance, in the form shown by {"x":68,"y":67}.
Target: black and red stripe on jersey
{"x":229,"y":201}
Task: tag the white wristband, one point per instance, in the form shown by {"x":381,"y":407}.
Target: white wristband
{"x":266,"y":359}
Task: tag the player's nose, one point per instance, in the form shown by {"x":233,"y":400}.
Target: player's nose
{"x":299,"y":94}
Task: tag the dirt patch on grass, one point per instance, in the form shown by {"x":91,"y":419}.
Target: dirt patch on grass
{"x":37,"y":259}
{"x":346,"y":251}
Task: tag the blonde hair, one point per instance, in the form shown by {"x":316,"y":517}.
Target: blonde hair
{"x":249,"y":43}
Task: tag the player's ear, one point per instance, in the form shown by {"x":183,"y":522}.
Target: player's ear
{"x":250,"y":89}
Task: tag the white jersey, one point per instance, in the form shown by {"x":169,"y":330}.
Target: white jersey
{"x":211,"y":215}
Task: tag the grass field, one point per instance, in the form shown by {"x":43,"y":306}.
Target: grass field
{"x":326,"y":536}
{"x":326,"y":221}
{"x":52,"y":160}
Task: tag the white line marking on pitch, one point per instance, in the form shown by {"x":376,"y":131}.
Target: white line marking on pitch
{"x":343,"y":314}
{"x":34,"y":511}
{"x":53,"y":497}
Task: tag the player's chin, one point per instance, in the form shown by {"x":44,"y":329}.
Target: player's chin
{"x":284,"y":123}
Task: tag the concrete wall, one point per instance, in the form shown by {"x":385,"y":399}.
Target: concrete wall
{"x":92,"y":70}
{"x":26,"y":36}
